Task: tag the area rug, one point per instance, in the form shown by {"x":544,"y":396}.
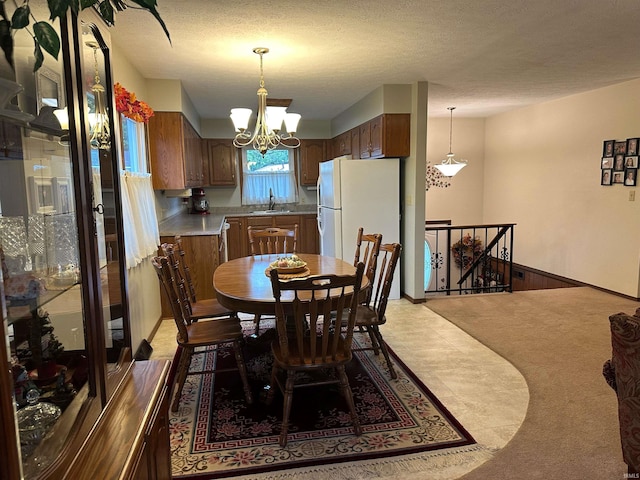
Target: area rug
{"x":216,"y":435}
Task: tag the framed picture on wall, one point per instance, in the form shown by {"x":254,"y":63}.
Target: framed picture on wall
{"x":605,"y":177}
{"x":618,"y":163}
{"x":607,"y":162}
{"x":618,"y":177}
{"x":630,"y":177}
{"x":631,"y":162}
{"x":620,"y":148}
{"x":62,"y":195}
{"x":607,"y":148}
{"x":41,"y":195}
{"x":632,"y":146}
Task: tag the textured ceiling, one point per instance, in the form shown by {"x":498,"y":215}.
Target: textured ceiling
{"x":483,"y":56}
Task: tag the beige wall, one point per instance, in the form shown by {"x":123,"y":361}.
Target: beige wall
{"x":462,"y":201}
{"x":542,"y":171}
{"x":143,"y":286}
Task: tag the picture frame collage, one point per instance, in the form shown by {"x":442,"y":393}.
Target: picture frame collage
{"x":619,"y":163}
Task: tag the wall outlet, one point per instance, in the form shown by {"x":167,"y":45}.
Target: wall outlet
{"x":632,"y":196}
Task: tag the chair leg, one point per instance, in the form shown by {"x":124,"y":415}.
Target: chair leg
{"x":286,"y":410}
{"x":374,"y":341}
{"x":256,"y":321}
{"x":385,"y":351}
{"x":243,"y":372}
{"x":272,"y":385}
{"x":346,"y":392}
{"x":183,"y":371}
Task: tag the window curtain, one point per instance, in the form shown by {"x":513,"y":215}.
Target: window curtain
{"x":141,"y":234}
{"x":256,"y":187}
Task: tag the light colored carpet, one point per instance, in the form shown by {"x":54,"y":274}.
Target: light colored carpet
{"x":558,"y":339}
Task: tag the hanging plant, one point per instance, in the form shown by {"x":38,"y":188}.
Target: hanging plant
{"x":128,"y":105}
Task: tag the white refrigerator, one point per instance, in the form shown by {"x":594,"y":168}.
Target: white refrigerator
{"x":354,"y":194}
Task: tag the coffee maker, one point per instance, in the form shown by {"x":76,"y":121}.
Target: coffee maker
{"x":199,"y":203}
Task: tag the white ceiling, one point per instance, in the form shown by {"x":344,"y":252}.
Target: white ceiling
{"x":482,"y":56}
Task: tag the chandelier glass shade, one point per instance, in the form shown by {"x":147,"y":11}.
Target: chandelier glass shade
{"x":450,"y":166}
{"x":99,"y":129}
{"x":267,"y":133}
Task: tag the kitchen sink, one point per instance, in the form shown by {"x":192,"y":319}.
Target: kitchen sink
{"x":268,"y":212}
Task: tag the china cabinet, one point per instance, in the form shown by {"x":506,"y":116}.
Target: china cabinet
{"x":68,"y":381}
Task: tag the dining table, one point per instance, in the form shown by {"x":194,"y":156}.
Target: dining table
{"x":243,"y":284}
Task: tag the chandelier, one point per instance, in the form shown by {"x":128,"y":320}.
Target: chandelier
{"x":266,"y":136}
{"x":98,"y":120}
{"x":450,"y":166}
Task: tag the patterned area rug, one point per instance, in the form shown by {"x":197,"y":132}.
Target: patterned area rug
{"x":216,"y":435}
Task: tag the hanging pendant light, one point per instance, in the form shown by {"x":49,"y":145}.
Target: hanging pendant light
{"x":98,"y":119}
{"x":450,"y":166}
{"x":266,"y":135}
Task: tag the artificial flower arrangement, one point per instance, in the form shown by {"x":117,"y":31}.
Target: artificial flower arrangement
{"x":128,"y":105}
{"x":466,"y":250}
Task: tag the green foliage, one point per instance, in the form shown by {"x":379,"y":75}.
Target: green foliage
{"x":44,"y":35}
{"x":257,"y":161}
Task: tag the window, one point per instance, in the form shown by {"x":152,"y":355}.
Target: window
{"x":134,"y":147}
{"x":274,"y":171}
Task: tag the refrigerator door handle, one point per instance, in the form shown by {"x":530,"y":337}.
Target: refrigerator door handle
{"x":319,"y":220}
{"x":318,"y":204}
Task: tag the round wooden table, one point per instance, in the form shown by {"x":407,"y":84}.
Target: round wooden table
{"x":243,"y":286}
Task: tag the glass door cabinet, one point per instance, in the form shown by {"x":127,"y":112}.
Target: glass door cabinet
{"x":63,"y":294}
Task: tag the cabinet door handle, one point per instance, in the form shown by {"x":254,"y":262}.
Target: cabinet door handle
{"x":99,"y":209}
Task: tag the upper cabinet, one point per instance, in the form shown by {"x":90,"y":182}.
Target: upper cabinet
{"x":385,"y":136}
{"x":341,"y":145}
{"x":312,"y":152}
{"x":175,"y":152}
{"x":221,"y":156}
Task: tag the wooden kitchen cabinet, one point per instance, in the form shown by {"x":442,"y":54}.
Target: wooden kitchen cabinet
{"x":312,"y":153}
{"x":221,"y":156}
{"x":341,"y":145}
{"x":355,"y":142}
{"x":386,"y":135}
{"x":175,"y":152}
{"x":202,"y":254}
{"x":238,"y":238}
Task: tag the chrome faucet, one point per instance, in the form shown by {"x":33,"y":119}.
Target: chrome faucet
{"x":272,"y":200}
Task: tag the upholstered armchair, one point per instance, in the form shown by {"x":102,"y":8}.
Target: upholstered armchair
{"x":622,"y":373}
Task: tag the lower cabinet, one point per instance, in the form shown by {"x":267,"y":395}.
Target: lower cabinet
{"x":202,"y":254}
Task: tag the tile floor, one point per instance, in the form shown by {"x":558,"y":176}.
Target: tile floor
{"x":479,"y":387}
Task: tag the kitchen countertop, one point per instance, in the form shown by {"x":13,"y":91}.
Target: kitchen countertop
{"x":212,"y":224}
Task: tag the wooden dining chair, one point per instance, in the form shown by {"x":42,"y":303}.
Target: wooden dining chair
{"x":203,"y":308}
{"x":307,"y":342}
{"x":192,"y":335}
{"x":271,"y":240}
{"x":367,"y":248}
{"x":371,"y":315}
